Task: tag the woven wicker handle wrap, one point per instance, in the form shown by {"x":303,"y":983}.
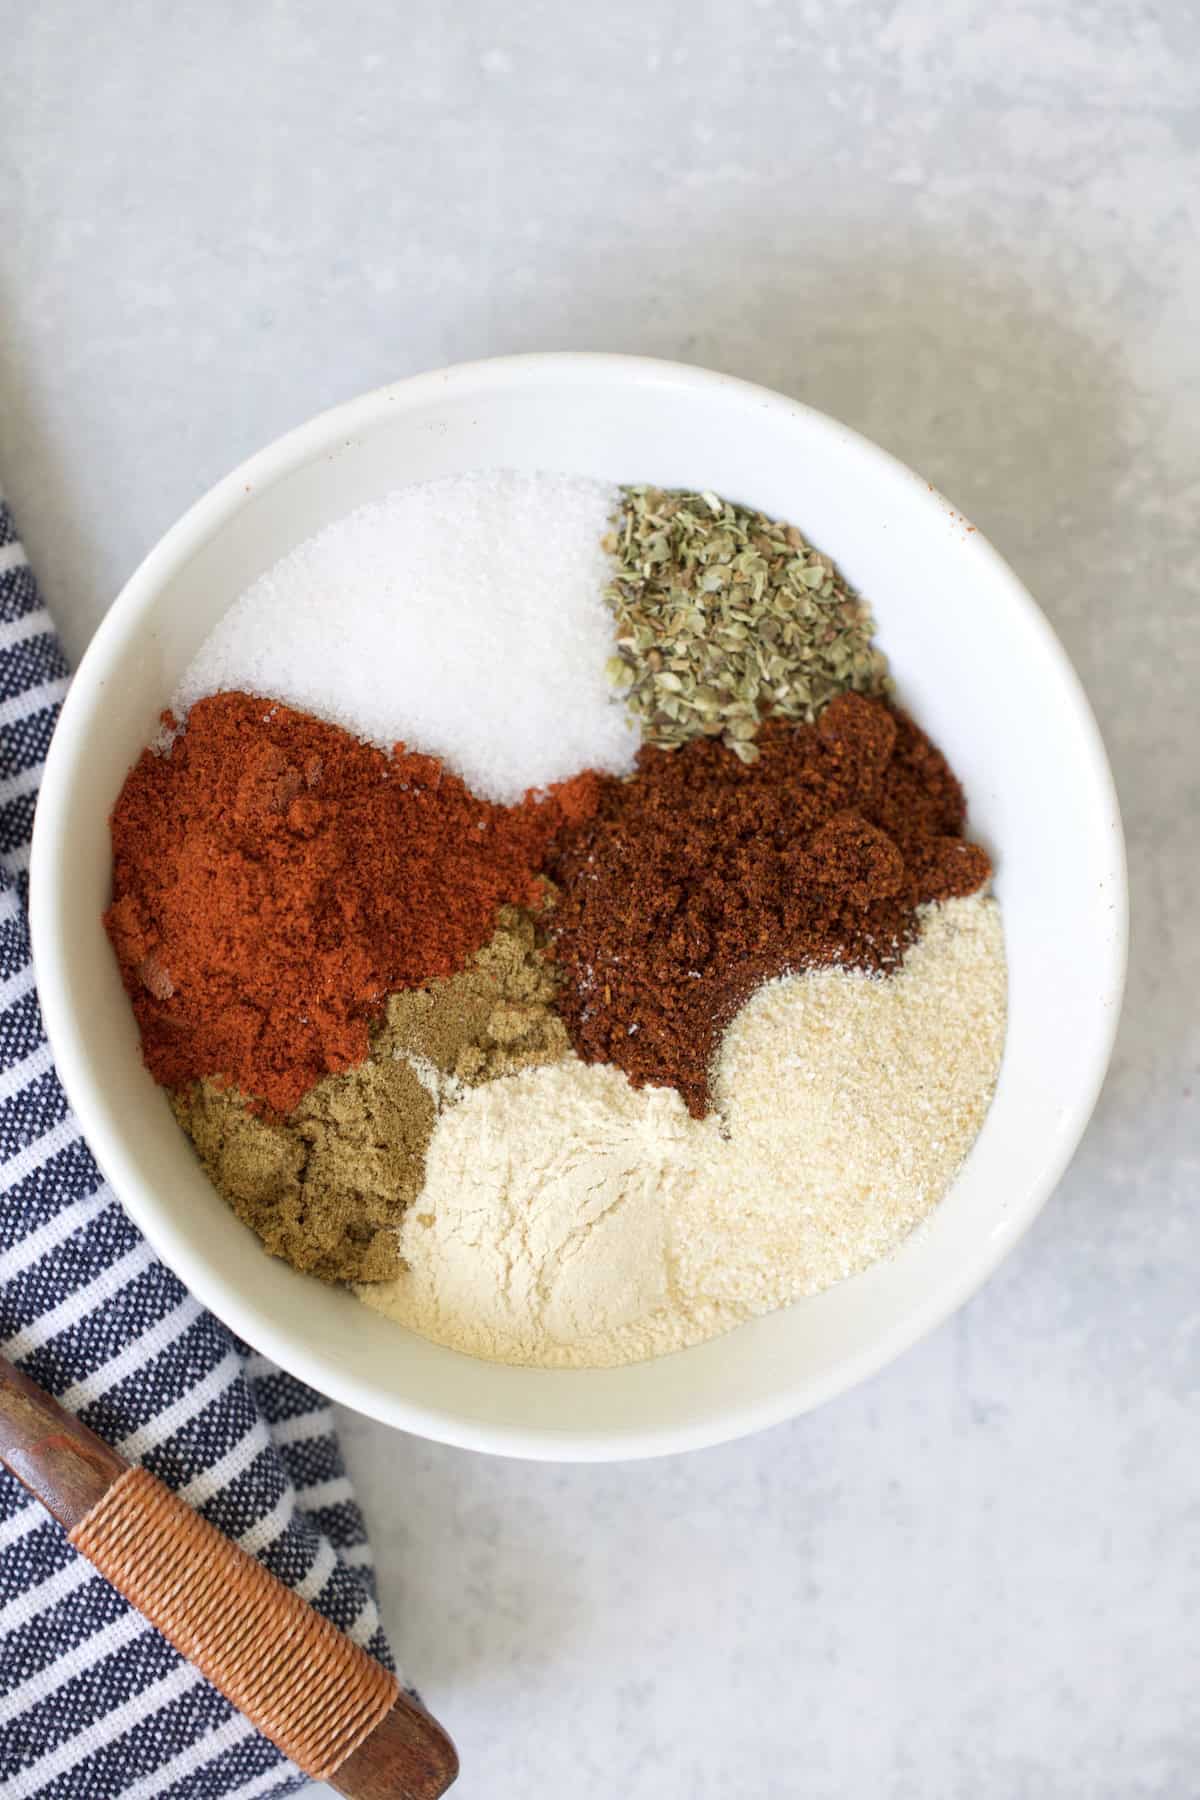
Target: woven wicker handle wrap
{"x":296,"y":1677}
{"x":308,"y":1688}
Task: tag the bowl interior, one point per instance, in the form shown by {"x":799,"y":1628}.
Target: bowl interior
{"x":975,"y":661}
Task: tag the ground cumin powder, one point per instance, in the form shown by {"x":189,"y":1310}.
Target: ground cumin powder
{"x":325,"y":1186}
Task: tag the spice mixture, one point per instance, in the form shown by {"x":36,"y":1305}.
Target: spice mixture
{"x":326,"y":1186}
{"x":570,"y":1220}
{"x":724,"y":615}
{"x":704,"y":877}
{"x":561,"y":1050}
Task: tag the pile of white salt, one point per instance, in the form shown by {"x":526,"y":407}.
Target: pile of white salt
{"x":468,"y":612}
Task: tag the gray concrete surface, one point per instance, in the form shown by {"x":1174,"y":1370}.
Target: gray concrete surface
{"x":971,"y":231}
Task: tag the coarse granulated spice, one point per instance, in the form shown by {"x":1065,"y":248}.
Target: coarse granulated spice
{"x":723,"y":616}
{"x":274,"y":879}
{"x":325,"y":1188}
{"x":702,"y":877}
{"x":847,"y":1103}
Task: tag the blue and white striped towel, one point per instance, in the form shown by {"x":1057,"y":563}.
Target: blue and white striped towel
{"x":94,"y":1704}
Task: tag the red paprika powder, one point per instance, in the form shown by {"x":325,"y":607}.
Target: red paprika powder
{"x":274,"y":879}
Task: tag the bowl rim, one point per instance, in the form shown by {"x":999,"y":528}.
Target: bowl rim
{"x":274,"y":462}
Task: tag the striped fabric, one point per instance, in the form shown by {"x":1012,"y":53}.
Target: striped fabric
{"x":94,"y":1704}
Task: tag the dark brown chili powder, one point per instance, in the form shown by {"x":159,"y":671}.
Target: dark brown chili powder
{"x":702,"y":877}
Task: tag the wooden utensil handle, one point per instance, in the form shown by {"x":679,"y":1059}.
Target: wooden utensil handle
{"x":336,"y":1712}
{"x":63,"y":1464}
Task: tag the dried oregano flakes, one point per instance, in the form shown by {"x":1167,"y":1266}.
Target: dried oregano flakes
{"x":724,"y":616}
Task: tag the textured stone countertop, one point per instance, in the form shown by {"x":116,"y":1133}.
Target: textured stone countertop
{"x":971,"y":231}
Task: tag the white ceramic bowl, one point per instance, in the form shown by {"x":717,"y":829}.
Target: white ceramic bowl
{"x":975,"y":660}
